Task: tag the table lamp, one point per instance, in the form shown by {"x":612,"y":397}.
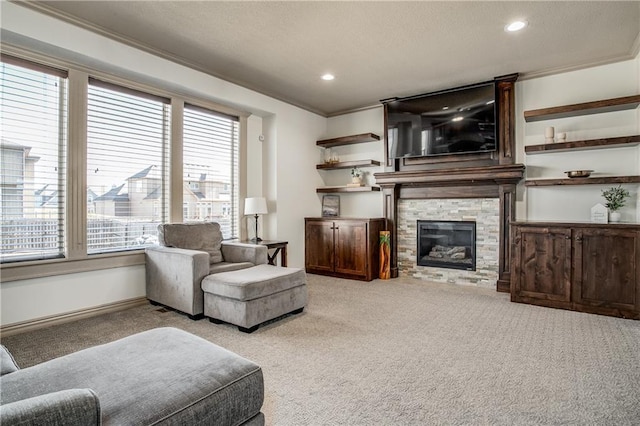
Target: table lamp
{"x":255,"y":206}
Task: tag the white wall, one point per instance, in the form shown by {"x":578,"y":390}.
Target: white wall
{"x":43,"y":297}
{"x":295,"y":181}
{"x":359,"y":204}
{"x":573,"y":203}
{"x":282,"y":168}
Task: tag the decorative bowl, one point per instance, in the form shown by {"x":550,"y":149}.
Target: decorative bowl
{"x":579,"y":173}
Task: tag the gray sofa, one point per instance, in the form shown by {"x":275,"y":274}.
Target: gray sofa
{"x":188,"y":252}
{"x":163,"y":376}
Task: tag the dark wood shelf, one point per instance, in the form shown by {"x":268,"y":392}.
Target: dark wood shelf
{"x":347,"y":164}
{"x":332,"y":189}
{"x":583,"y":181}
{"x":348,"y":140}
{"x":633,"y":140}
{"x":581,"y":224}
{"x":586,"y":108}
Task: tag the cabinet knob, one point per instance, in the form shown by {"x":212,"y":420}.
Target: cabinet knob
{"x":579,"y":239}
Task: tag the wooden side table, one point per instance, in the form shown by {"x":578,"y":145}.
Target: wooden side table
{"x":278,"y":246}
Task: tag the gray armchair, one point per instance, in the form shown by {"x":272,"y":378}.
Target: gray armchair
{"x":188,"y":252}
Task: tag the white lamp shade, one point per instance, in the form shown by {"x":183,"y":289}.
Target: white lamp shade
{"x":255,"y":205}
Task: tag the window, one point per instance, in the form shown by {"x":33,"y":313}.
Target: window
{"x":210,"y":157}
{"x":33,"y":104}
{"x":47,"y":213}
{"x":127,"y":151}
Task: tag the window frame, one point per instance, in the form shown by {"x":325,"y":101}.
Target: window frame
{"x":76,"y":258}
{"x":235,"y":148}
{"x":106,"y":95}
{"x":60,"y":156}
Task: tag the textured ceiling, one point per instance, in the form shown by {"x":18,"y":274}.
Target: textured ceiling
{"x":376,"y":50}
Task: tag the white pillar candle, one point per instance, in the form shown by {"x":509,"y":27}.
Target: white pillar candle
{"x":548,"y":132}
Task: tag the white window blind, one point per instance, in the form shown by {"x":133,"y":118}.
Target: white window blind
{"x":127,"y":167}
{"x":33,"y":105}
{"x":210,"y":157}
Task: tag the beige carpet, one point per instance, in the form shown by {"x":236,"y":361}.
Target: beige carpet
{"x":408,"y":352}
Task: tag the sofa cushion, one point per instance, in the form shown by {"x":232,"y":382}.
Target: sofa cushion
{"x":161,"y":376}
{"x":253,"y":283}
{"x":7,"y":363}
{"x":205,"y":236}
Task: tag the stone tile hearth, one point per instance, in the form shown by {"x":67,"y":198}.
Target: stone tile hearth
{"x":484,"y":211}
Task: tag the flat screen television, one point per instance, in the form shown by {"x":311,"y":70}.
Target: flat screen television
{"x":456,"y":121}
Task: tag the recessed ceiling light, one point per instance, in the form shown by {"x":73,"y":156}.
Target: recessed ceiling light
{"x":328,"y":77}
{"x":458,"y":118}
{"x":516,"y":26}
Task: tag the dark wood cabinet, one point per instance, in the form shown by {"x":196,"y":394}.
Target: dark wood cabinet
{"x":343,"y":247}
{"x":319,"y":246}
{"x":606,"y":269}
{"x":583,"y":267}
{"x":542,"y":263}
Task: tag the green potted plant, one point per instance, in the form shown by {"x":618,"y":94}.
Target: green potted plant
{"x":616,"y":197}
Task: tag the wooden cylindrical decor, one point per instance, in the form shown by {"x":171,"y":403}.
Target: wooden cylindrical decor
{"x":385,"y":255}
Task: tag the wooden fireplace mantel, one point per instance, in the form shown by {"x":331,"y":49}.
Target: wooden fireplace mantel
{"x":467,"y":177}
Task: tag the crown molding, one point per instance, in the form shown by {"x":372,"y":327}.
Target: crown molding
{"x":562,"y":70}
{"x":354,"y":110}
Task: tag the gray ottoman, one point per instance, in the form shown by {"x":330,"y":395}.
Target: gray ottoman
{"x":251,"y":296}
{"x":163,"y":376}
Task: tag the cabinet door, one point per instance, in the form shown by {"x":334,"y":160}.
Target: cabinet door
{"x":606,"y":268}
{"x":319,"y":249}
{"x":351,"y":248}
{"x":542,"y":264}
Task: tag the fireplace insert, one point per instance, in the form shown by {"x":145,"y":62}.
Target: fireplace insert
{"x":447,"y":244}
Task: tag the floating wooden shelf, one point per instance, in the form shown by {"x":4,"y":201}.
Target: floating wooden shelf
{"x":583,"y":181}
{"x":332,"y":189}
{"x":586,"y":108}
{"x":583,"y":145}
{"x":347,"y":164}
{"x":348,"y":140}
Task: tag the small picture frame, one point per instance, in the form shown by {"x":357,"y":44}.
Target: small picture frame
{"x":330,"y":206}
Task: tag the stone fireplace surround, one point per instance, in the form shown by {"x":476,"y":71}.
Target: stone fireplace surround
{"x":485,"y":212}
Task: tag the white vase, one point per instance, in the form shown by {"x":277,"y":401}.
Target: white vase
{"x":356,"y":180}
{"x":614,"y":216}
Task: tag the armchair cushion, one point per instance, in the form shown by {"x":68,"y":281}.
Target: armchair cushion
{"x":240,"y":252}
{"x":205,"y":237}
{"x":216,"y":268}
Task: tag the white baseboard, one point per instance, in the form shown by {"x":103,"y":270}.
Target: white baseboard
{"x":30,"y":325}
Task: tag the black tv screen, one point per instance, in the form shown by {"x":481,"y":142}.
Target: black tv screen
{"x":456,"y":121}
